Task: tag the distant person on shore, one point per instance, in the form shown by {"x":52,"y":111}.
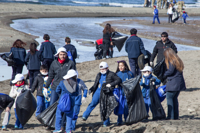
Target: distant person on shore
{"x":155,"y":15}
{"x":107,"y":41}
{"x":170,"y":13}
{"x":164,"y":3}
{"x":184,"y":17}
{"x":48,"y":50}
{"x":18,"y":55}
{"x":71,"y":48}
{"x":176,"y":82}
{"x":160,"y":48}
{"x":33,"y":59}
{"x":134,"y":47}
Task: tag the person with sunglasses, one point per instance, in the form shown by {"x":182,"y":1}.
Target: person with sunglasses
{"x":160,"y":48}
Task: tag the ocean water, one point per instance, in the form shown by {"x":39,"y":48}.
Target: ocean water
{"x":116,"y":3}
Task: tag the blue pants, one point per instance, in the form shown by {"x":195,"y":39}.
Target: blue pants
{"x":184,"y":20}
{"x":46,"y":105}
{"x":147,"y":102}
{"x":119,"y":120}
{"x":17,"y":123}
{"x":154,"y":17}
{"x":54,"y":97}
{"x":40,"y":105}
{"x":32,"y":75}
{"x":133,"y":62}
{"x":93,"y":104}
{"x":47,"y":62}
{"x":172,"y":103}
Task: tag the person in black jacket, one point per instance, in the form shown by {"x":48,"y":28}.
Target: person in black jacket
{"x":71,"y":48}
{"x":33,"y":59}
{"x":161,"y":46}
{"x":105,"y":76}
{"x":6,"y":103}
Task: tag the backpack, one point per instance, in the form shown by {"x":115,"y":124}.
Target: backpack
{"x":65,"y":103}
{"x":69,"y":54}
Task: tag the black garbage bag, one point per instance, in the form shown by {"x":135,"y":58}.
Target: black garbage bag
{"x":107,"y":102}
{"x":159,"y":70}
{"x":137,"y":110}
{"x":25,"y":106}
{"x":118,"y":40}
{"x":142,"y":61}
{"x":48,"y":116}
{"x":156,"y":107}
{"x":8,"y":58}
{"x":175,"y":15}
{"x":99,"y":53}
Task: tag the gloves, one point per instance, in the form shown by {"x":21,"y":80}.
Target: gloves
{"x":45,"y":92}
{"x":151,"y":64}
{"x":108,"y":85}
{"x":146,"y":57}
{"x":83,"y":100}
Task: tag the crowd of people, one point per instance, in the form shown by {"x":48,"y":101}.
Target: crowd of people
{"x":57,"y":78}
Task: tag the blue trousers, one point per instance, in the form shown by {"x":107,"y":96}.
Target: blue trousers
{"x":172,"y":103}
{"x":133,"y":62}
{"x":54,"y":97}
{"x":147,"y":102}
{"x":46,"y":105}
{"x":184,"y":20}
{"x":32,"y":75}
{"x":40,"y":105}
{"x":93,"y":104}
{"x":154,"y":17}
{"x":119,"y":120}
{"x":17,"y":123}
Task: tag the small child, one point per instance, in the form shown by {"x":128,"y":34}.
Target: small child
{"x":184,"y":17}
{"x":42,"y":102}
{"x":19,"y":85}
{"x":155,"y":15}
{"x":145,"y":83}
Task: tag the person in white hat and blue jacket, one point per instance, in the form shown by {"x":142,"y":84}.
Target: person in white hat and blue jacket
{"x":145,"y":83}
{"x":74,"y":87}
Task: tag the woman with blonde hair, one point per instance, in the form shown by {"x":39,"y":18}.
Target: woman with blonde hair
{"x":175,"y":82}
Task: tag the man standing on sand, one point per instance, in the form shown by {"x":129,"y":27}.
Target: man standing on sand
{"x":155,"y":12}
{"x":160,"y":48}
{"x":134,"y":47}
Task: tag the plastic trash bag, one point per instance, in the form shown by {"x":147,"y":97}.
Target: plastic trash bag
{"x":65,"y":103}
{"x":142,"y":61}
{"x":25,"y":106}
{"x":8,"y":58}
{"x":118,"y":40}
{"x":159,"y":70}
{"x":137,"y":110}
{"x":48,"y":116}
{"x":175,"y":15}
{"x":161,"y":92}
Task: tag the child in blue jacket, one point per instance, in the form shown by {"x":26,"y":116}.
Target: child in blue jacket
{"x":184,"y":17}
{"x":125,"y":74}
{"x":155,"y":15}
{"x":145,"y":83}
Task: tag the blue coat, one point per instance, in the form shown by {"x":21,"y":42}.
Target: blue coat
{"x":134,"y":47}
{"x":48,"y":50}
{"x":175,"y":79}
{"x":72,"y":49}
{"x":184,"y":15}
{"x":34,"y":61}
{"x":155,"y":12}
{"x":18,"y":55}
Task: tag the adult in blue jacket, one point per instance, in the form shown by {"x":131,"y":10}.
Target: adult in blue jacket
{"x":48,"y":50}
{"x":176,"y":82}
{"x":155,"y":12}
{"x":18,"y":54}
{"x":134,"y":47}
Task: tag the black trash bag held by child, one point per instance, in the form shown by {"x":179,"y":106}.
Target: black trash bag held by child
{"x":8,"y":58}
{"x":25,"y":106}
{"x":159,"y":70}
{"x":156,"y":107}
{"x":48,"y":116}
{"x":118,"y":40}
{"x":142,"y":61}
{"x":137,"y":110}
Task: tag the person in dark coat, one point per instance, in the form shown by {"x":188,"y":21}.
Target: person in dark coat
{"x":176,"y":82}
{"x":48,"y":50}
{"x":134,"y":47}
{"x":160,"y":47}
{"x":71,"y":48}
{"x":105,"y":76}
{"x":33,"y":59}
{"x":18,"y":55}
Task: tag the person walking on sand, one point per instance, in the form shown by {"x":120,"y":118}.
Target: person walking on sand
{"x":184,"y":17}
{"x":134,"y":47}
{"x":160,"y":48}
{"x":170,"y":13}
{"x":176,"y":82}
{"x":48,"y":50}
{"x":155,"y":16}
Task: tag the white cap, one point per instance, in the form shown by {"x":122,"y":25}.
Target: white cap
{"x":18,"y":77}
{"x":103,"y":65}
{"x":62,"y":49}
{"x":147,"y":68}
{"x":70,"y":73}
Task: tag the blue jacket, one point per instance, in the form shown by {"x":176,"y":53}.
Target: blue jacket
{"x":18,"y":55}
{"x":155,"y":12}
{"x":134,"y":47}
{"x":34,"y":61}
{"x":72,"y":49}
{"x":184,"y":15}
{"x":48,"y":50}
{"x":175,"y":79}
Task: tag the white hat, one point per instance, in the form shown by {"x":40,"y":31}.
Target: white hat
{"x":70,"y":73}
{"x":62,"y":49}
{"x":103,"y":65}
{"x":18,"y":77}
{"x":147,"y":68}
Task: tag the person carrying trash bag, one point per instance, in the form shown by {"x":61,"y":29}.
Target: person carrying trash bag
{"x":104,"y":76}
{"x":16,"y":89}
{"x":6,"y":102}
{"x":70,"y":88}
{"x":145,"y":83}
{"x":125,"y":74}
